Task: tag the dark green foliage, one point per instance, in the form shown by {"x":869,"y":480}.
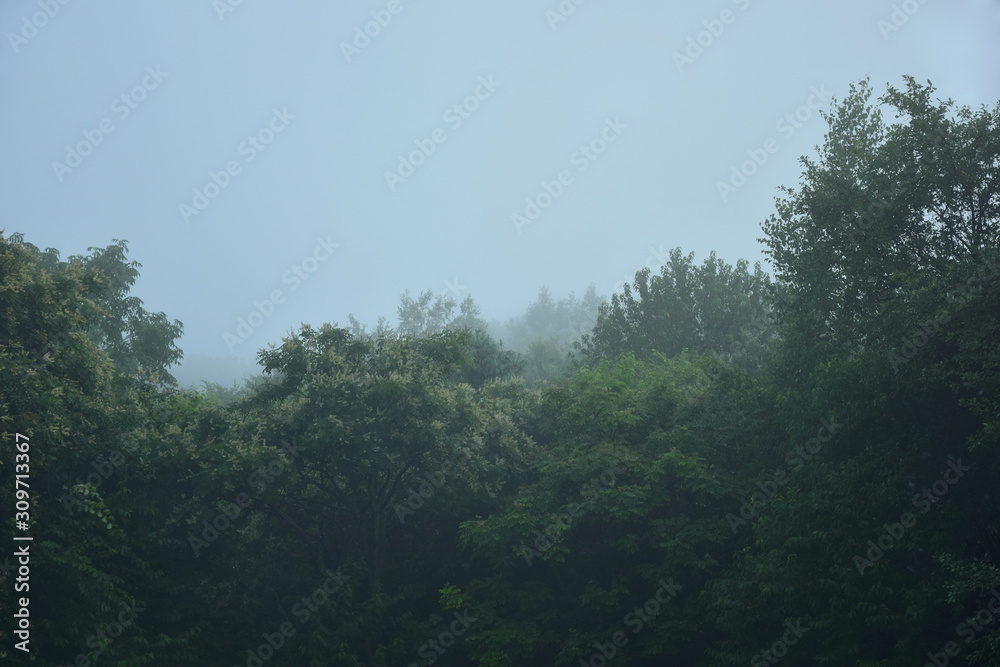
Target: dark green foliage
{"x":77,"y":383}
{"x":714,"y":308}
{"x":806,"y":465}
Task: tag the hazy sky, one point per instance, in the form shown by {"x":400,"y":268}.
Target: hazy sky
{"x":250,"y":150}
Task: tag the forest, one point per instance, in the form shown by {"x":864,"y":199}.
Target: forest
{"x":719,"y":465}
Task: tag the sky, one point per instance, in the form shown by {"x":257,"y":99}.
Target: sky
{"x":272,"y":164}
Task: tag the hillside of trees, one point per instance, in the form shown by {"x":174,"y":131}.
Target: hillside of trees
{"x":717,"y":466}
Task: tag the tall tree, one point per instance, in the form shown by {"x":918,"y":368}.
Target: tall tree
{"x":79,"y":374}
{"x":885,"y":217}
{"x":376,"y":436}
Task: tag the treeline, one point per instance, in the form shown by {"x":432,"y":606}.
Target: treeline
{"x":723,"y":469}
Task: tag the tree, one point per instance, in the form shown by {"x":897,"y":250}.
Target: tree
{"x":714,"y":308}
{"x":560,"y":322}
{"x":75,"y":355}
{"x":429,"y":314}
{"x":884,"y":258}
{"x":885,"y":217}
{"x":548,"y":331}
{"x":141,"y":343}
{"x":376,"y":438}
{"x":621,"y":500}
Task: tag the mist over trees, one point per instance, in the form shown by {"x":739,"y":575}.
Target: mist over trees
{"x":712,"y":309}
{"x":716,"y":466}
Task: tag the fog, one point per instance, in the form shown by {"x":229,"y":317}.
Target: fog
{"x":273,"y":164}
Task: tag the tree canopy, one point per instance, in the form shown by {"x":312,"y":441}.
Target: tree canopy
{"x":727,"y":467}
